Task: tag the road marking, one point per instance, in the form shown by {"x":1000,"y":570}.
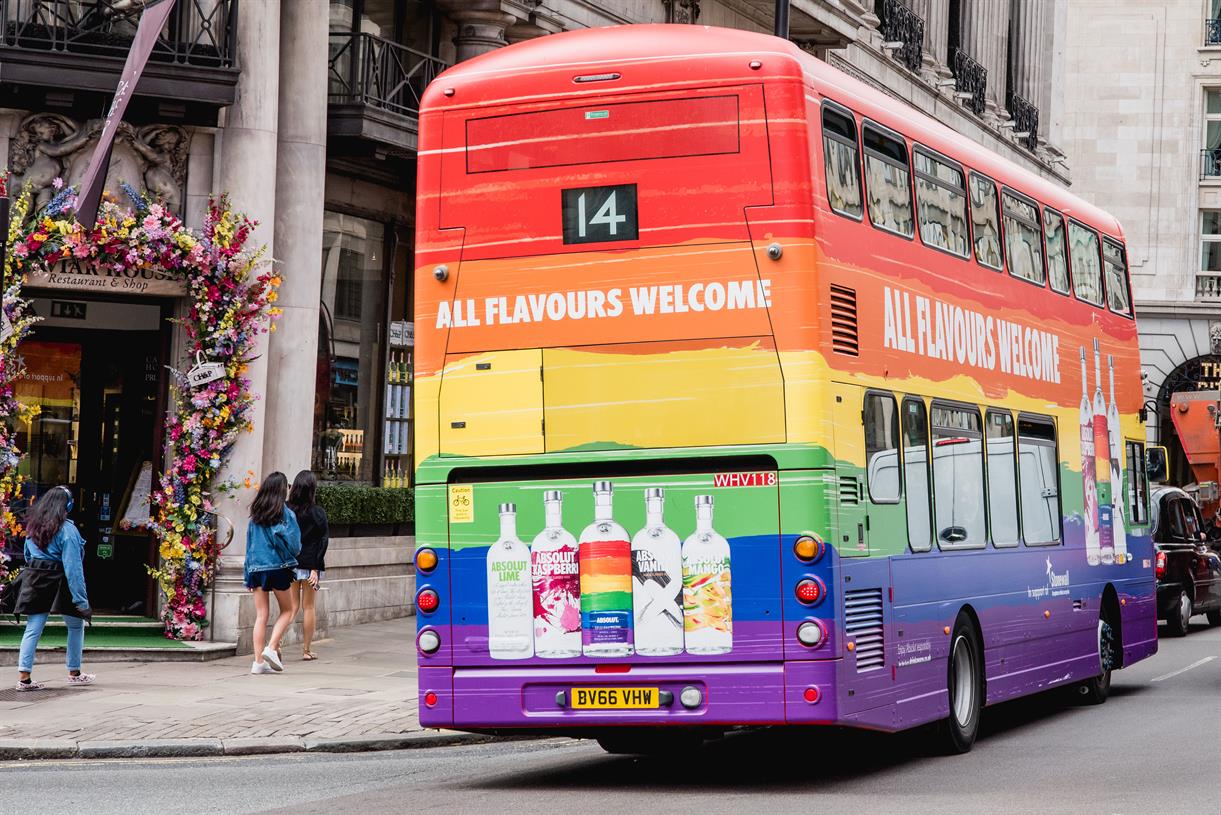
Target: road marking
{"x":1173,"y":674}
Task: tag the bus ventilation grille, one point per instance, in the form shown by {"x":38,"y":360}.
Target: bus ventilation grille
{"x":843,"y":321}
{"x":863,"y":625}
{"x":849,"y":490}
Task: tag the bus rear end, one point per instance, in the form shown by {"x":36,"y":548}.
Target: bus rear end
{"x":603,"y":535}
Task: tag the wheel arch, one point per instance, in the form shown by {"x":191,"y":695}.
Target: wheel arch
{"x":973,"y":616}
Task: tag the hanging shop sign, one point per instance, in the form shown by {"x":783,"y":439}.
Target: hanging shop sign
{"x":77,"y":276}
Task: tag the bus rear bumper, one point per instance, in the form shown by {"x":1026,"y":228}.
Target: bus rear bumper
{"x":543,"y":697}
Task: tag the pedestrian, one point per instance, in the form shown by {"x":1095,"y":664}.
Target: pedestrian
{"x":311,"y":563}
{"x":273,"y":540}
{"x":52,"y":582}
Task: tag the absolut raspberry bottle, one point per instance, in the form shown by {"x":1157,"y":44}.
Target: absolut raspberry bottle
{"x":657,"y":583}
{"x":1102,"y":453}
{"x":1093,"y":554}
{"x":1118,"y":491}
{"x":510,"y":593}
{"x":707,"y":595}
{"x":606,"y":581}
{"x":557,"y":585}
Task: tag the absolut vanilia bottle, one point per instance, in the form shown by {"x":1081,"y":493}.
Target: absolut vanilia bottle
{"x":1089,"y":485}
{"x":1118,"y":492}
{"x":1102,"y":471}
{"x":707,"y":598}
{"x":657,"y":583}
{"x":510,"y":594}
{"x":557,"y":585}
{"x":606,"y":581}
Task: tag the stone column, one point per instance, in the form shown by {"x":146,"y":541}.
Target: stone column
{"x":936,"y":39}
{"x":481,"y":26}
{"x":1032,"y":54}
{"x":300,"y":192}
{"x":248,"y":174}
{"x":985,"y":36}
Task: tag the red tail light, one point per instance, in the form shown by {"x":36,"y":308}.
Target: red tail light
{"x":428,"y":601}
{"x":809,"y":591}
{"x":1160,"y":570}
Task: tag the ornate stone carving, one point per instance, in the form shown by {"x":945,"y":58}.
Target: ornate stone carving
{"x":682,"y":11}
{"x":151,"y":159}
{"x":1214,"y":337}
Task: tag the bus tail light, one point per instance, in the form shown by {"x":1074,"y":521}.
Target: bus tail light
{"x":1159,"y":571}
{"x":425,"y":560}
{"x":428,"y":601}
{"x":811,"y":634}
{"x":429,"y":641}
{"x":808,"y":548}
{"x":430,"y":699}
{"x":809,"y":591}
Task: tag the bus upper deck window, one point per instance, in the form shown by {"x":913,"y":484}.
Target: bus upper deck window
{"x":1086,"y":265}
{"x":1023,"y":239}
{"x":888,"y":183}
{"x":986,"y":220}
{"x":941,"y":198}
{"x":842,"y":164}
{"x":1117,"y":277}
{"x":1057,"y":252}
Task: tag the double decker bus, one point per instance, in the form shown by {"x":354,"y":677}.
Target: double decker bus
{"x":748,"y":395}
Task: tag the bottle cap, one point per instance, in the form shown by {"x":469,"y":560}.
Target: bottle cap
{"x":603,"y":486}
{"x":703,"y":500}
{"x":508,"y":508}
{"x":553,"y":495}
{"x":654,"y":492}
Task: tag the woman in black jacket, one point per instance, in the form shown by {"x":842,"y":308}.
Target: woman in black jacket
{"x":311,"y":563}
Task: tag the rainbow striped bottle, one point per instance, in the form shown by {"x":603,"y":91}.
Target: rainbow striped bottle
{"x":605,"y":557}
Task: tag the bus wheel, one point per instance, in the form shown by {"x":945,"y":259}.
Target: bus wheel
{"x":965,"y":683}
{"x":1095,"y":691}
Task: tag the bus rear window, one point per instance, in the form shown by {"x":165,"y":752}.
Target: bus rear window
{"x":596,"y":134}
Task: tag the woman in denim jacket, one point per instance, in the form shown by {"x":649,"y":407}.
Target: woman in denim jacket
{"x":273,"y":541}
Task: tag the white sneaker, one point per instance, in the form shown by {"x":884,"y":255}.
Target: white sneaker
{"x":81,"y":679}
{"x":28,"y":686}
{"x":261,"y":668}
{"x":273,"y":659}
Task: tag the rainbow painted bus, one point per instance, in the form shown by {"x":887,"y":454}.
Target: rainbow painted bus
{"x":747,"y":395}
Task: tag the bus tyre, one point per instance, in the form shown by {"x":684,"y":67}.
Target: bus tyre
{"x":965,"y":684}
{"x":1179,"y":615}
{"x":1095,"y":691}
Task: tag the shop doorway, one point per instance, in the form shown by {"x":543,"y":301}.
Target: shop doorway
{"x":100,"y":389}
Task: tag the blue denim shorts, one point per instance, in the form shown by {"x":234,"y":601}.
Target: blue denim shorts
{"x":274,"y":580}
{"x":303,"y":574}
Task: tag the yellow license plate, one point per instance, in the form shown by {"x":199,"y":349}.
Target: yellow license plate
{"x":612,"y":698}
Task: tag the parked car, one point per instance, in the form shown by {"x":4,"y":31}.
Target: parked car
{"x":1188,"y":566}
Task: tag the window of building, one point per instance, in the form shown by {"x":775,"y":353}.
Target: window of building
{"x":881,"y":417}
{"x":1117,"y":277}
{"x":349,"y":391}
{"x":1039,"y":481}
{"x":1212,"y":132}
{"x":1023,"y":239}
{"x":1210,"y":240}
{"x":841,"y":162}
{"x":888,"y":183}
{"x":1137,"y":481}
{"x":958,"y":477}
{"x":1057,"y":252}
{"x":941,"y":197}
{"x":986,"y":220}
{"x":1087,"y":267}
{"x":1002,"y":479}
{"x":915,"y":474}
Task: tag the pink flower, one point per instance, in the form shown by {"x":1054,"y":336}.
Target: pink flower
{"x":57,"y":183}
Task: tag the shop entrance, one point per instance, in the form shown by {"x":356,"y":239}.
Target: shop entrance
{"x":100,"y":385}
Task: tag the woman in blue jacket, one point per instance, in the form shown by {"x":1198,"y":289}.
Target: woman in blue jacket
{"x":53,"y":581}
{"x":273,"y":541}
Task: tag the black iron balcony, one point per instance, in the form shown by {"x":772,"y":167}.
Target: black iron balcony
{"x":1212,"y":32}
{"x":902,"y":31}
{"x":1025,"y":121}
{"x":970,"y":81}
{"x":375,"y":87}
{"x":82,"y":44}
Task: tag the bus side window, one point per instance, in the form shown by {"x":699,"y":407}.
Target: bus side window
{"x":1117,"y":277}
{"x":1002,"y":479}
{"x":941,"y":199}
{"x":1023,"y":239}
{"x":1137,"y":484}
{"x":881,"y":419}
{"x":1038,"y":479}
{"x":1057,"y":253}
{"x":841,"y":163}
{"x":915,"y":474}
{"x":986,"y":220}
{"x":1086,"y":266}
{"x":958,"y":477}
{"x":888,"y":183}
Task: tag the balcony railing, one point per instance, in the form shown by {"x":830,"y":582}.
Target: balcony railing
{"x":368,"y":70}
{"x":903,"y":31}
{"x":198,"y":32}
{"x":1210,"y":163}
{"x":1025,"y":121}
{"x":970,"y":82}
{"x":1208,"y":286}
{"x":1212,"y":32}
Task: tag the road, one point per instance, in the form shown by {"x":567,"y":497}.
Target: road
{"x":1152,"y":748}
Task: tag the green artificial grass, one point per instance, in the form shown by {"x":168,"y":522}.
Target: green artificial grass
{"x":10,"y":637}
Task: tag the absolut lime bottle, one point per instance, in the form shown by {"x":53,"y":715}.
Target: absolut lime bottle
{"x":1102,"y":470}
{"x":557,"y":585}
{"x":707,"y":595}
{"x":1089,"y":484}
{"x":510,"y":593}
{"x":657,"y":583}
{"x":1118,"y":492}
{"x":606,"y":581}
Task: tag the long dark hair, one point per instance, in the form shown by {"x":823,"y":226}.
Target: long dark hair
{"x":268,"y":506}
{"x":304,"y":492}
{"x":48,"y":514}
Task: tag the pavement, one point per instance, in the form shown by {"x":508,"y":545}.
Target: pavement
{"x":360,"y":694}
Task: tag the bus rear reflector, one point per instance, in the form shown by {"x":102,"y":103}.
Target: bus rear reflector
{"x":812,"y":694}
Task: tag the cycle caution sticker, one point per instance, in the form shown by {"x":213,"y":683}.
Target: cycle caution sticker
{"x":461,"y":503}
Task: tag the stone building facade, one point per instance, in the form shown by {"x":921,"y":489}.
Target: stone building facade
{"x":303,"y":111}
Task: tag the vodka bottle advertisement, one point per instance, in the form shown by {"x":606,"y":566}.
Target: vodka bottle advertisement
{"x":1102,"y":468}
{"x":557,"y":585}
{"x":707,"y":595}
{"x":605,"y":557}
{"x":510,"y":592}
{"x":657,"y":582}
{"x":1118,"y":492}
{"x":1089,"y":487}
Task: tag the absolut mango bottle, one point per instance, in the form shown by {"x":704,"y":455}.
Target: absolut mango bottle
{"x":1089,"y":485}
{"x":557,"y":585}
{"x":707,"y":595}
{"x":510,"y":592}
{"x":1102,"y":470}
{"x":606,"y":581}
{"x":657,"y":583}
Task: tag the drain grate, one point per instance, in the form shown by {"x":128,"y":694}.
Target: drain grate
{"x":11,"y":694}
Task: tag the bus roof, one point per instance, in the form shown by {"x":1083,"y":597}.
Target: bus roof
{"x":684,"y":54}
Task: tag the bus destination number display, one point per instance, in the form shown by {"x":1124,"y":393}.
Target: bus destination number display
{"x":600,"y":214}
{"x":604,"y":698}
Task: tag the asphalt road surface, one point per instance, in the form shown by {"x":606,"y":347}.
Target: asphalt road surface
{"x":1154,"y":747}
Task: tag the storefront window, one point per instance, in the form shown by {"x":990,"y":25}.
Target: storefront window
{"x":351,"y":329}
